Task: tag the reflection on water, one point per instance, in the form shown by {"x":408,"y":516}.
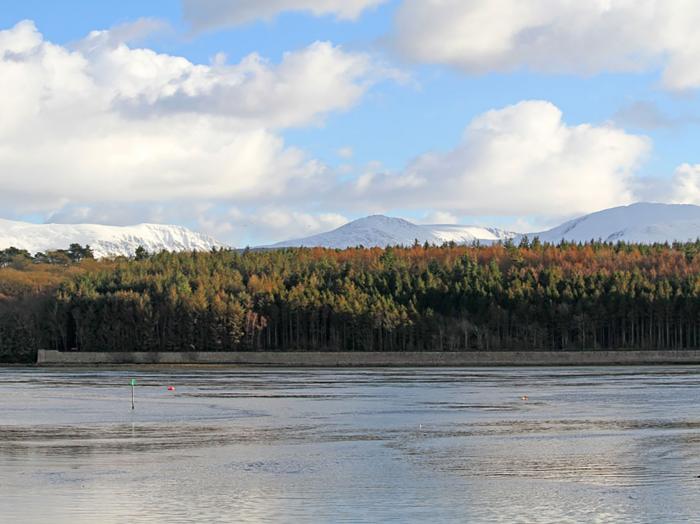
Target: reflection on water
{"x":403,"y":445}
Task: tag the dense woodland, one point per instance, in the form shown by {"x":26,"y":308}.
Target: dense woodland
{"x":449,"y":298}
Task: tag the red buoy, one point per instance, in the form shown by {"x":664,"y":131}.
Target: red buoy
{"x":171,"y":388}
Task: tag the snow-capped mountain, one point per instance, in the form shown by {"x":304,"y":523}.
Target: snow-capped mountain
{"x":382,"y":231}
{"x":104,"y":240}
{"x":643,"y":223}
{"x":637,"y":223}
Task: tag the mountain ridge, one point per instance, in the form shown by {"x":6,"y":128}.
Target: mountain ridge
{"x":641,"y":222}
{"x":105,"y":241}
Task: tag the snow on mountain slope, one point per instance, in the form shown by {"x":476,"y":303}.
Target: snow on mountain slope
{"x":382,"y":231}
{"x":104,"y":240}
{"x":643,"y":223}
{"x":467,"y":234}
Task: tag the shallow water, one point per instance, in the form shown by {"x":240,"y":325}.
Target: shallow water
{"x":393,"y":445}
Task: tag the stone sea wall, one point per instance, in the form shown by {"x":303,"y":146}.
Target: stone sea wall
{"x":372,"y":359}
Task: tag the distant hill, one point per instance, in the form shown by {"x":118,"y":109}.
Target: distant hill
{"x":104,"y":240}
{"x":643,"y":223}
{"x":382,"y":231}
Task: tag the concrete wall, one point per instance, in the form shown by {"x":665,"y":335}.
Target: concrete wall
{"x":370,"y":359}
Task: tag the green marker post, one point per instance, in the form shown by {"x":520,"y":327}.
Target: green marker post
{"x":133,"y":383}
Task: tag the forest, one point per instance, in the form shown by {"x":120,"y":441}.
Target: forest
{"x":418,"y":298}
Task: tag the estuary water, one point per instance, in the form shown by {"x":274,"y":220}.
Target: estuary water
{"x":328,"y":445}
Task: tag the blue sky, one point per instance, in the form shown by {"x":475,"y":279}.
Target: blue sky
{"x":405,"y":129}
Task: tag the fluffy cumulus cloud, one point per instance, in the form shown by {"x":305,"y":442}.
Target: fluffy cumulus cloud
{"x":101,"y":122}
{"x":686,"y":185}
{"x":208,"y":14}
{"x":519,"y":160}
{"x":569,"y":36}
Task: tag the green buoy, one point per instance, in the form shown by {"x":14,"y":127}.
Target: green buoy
{"x":133,"y":383}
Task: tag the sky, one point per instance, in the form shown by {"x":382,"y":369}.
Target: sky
{"x":256,"y":121}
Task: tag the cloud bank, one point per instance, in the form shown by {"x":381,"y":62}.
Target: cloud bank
{"x":100,"y":122}
{"x":555,"y":36}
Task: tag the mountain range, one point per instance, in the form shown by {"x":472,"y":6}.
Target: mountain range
{"x":644,"y":223}
{"x":639,"y":223}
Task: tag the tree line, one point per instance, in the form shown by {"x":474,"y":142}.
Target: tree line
{"x":15,"y":257}
{"x":419,"y":298}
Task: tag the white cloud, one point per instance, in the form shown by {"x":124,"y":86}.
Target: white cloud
{"x":130,"y":32}
{"x":104,"y":123}
{"x":294,"y":224}
{"x":267,"y":225}
{"x":208,"y":14}
{"x":114,"y":213}
{"x":253,"y":92}
{"x":519,"y":160}
{"x":437,"y":217}
{"x":686,"y":185}
{"x":345,"y":152}
{"x":561,"y":36}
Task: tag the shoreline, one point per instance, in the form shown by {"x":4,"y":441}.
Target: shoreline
{"x":311,"y":359}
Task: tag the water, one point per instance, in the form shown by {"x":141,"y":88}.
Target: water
{"x":398,"y":445}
